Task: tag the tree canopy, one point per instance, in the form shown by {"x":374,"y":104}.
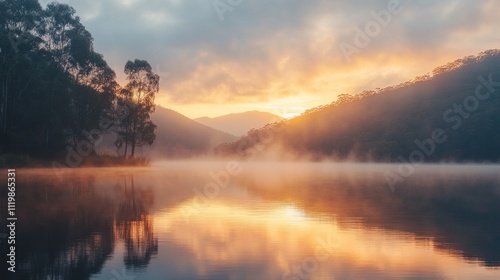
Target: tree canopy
{"x":55,"y":89}
{"x":137,"y":129}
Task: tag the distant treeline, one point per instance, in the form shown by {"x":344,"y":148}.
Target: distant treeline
{"x":57,"y":94}
{"x":452,"y":114}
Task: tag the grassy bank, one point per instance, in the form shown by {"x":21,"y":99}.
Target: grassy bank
{"x":110,"y":160}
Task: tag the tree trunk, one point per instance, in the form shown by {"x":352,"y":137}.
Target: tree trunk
{"x":126,"y":149}
{"x":134,"y":135}
{"x":4,"y":107}
{"x":133,"y":148}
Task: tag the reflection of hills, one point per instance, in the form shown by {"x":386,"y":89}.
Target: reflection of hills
{"x":69,"y":229}
{"x":459,"y":212}
{"x":267,"y":238}
{"x":265,"y":221}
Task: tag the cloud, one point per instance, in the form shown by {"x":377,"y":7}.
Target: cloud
{"x":272,"y":49}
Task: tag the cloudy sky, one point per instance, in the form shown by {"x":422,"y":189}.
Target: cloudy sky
{"x":284,"y":56}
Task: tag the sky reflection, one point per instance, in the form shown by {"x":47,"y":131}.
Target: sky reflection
{"x":293,"y":221}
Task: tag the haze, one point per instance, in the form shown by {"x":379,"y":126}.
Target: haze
{"x":282,"y":57}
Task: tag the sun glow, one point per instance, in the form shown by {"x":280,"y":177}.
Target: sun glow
{"x":290,"y":115}
{"x":226,"y":234}
{"x":291,"y":212}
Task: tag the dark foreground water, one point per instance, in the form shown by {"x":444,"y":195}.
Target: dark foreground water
{"x":264,"y":221}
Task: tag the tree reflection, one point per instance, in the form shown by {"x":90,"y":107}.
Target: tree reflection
{"x":135,"y":226}
{"x":65,"y":230}
{"x":69,"y":229}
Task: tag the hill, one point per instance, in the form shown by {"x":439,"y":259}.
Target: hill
{"x":176,"y":136}
{"x":451,"y":114}
{"x":239,"y":124}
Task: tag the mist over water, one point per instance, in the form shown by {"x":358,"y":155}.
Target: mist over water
{"x":259,"y":220}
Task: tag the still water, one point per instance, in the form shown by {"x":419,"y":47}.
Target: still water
{"x":195,"y":220}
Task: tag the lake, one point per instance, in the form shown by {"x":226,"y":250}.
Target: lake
{"x":223,"y":220}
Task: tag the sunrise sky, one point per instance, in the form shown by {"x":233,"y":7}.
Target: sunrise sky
{"x":283,"y":56}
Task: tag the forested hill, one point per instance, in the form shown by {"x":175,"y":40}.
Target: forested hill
{"x":179,"y":136}
{"x":457,"y":106}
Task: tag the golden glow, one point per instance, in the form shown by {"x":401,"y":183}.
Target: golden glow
{"x":225,"y":234}
{"x":291,"y":92}
{"x":291,"y":212}
{"x":286,"y":107}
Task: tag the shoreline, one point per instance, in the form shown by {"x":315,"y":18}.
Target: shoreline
{"x":12,"y":160}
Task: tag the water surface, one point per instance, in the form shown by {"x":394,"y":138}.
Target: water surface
{"x":266,"y":221}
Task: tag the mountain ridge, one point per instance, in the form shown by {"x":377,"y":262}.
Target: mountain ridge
{"x":177,"y":136}
{"x":385,"y":124}
{"x":239,"y":123}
